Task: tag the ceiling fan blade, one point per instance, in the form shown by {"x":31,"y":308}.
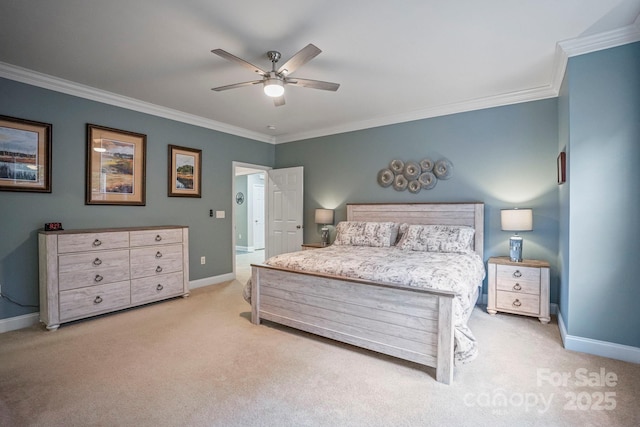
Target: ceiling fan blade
{"x":233,"y":58}
{"x":279,"y":101}
{"x":235,"y":85}
{"x":315,"y":84}
{"x":305,"y":55}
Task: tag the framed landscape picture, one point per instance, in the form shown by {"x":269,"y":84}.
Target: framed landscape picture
{"x":185,"y":177}
{"x":25,"y":155}
{"x":116,"y":167}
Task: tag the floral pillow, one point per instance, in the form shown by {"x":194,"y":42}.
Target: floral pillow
{"x":357,"y":233}
{"x":438,"y":238}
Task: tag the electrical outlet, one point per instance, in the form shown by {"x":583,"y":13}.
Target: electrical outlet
{"x":203,"y":260}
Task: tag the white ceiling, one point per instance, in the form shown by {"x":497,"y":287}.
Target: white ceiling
{"x":396,"y":61}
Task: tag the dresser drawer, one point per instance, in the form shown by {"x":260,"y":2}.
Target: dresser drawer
{"x":518,"y":302}
{"x":156,"y":237}
{"x":150,"y":289}
{"x":83,"y":302}
{"x":92,"y":241}
{"x":155,"y":261}
{"x":95,"y":268}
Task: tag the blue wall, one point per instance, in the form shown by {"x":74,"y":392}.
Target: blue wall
{"x":504,"y":157}
{"x":23,"y":214}
{"x":604,"y":200}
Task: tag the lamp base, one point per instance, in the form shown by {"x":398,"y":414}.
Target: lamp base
{"x":325,"y":236}
{"x":515,"y":248}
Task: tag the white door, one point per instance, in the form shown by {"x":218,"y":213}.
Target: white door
{"x":284,"y":207}
{"x":258,"y":216}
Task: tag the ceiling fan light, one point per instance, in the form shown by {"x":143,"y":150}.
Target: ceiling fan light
{"x":273,"y":88}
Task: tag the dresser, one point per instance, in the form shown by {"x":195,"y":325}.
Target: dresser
{"x":518,"y":287}
{"x":85,"y":273}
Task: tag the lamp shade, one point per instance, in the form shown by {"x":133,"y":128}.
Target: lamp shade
{"x":324,"y":216}
{"x":516,"y":219}
{"x":274,"y":88}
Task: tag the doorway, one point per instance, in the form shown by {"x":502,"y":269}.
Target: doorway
{"x":248,"y":218}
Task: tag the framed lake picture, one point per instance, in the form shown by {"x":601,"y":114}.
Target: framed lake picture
{"x":25,"y":155}
{"x":116,"y":167}
{"x":185,"y":177}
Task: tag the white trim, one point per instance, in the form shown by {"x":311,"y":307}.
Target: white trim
{"x":34,"y":78}
{"x":599,"y":348}
{"x":213,"y":280}
{"x":564,"y":50}
{"x":19,"y":322}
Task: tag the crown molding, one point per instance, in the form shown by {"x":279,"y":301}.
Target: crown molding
{"x":34,"y":78}
{"x":564,"y":50}
{"x":527,"y":95}
{"x":593,"y":43}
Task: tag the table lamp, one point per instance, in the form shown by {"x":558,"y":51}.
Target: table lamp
{"x":324,"y":217}
{"x":516,"y":220}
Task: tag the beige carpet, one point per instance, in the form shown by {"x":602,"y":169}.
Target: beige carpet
{"x":200,"y":362}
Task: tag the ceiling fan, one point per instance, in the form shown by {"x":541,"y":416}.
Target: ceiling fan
{"x":275,"y":79}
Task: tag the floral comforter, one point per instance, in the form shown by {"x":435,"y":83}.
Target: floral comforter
{"x":455,"y":272}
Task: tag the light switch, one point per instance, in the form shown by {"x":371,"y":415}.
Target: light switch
{"x":219,"y":214}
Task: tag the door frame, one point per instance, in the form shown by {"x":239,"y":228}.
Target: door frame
{"x":234,"y":166}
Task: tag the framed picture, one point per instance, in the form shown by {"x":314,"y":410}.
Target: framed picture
{"x":116,"y":167}
{"x":185,"y":176}
{"x":562,"y":167}
{"x":25,"y":155}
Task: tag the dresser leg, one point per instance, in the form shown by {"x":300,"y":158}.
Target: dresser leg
{"x":544,"y":319}
{"x":53,"y":327}
{"x":491,"y":312}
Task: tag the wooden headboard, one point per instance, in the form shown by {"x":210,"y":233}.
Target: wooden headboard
{"x":469,"y":214}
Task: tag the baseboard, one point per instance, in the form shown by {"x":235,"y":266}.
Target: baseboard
{"x":19,"y":322}
{"x":213,"y":280}
{"x":622,"y":352}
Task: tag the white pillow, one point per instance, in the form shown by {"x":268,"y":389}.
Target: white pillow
{"x":359,"y":233}
{"x":438,"y":238}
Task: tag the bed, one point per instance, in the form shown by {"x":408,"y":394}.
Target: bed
{"x":403,"y":315}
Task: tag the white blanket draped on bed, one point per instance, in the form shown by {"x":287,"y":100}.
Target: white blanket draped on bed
{"x":455,"y":272}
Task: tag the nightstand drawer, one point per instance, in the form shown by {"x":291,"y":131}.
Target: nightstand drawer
{"x":518,"y":286}
{"x":517,"y":302}
{"x":519,"y":274}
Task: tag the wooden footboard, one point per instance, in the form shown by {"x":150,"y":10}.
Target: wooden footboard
{"x":408,"y":323}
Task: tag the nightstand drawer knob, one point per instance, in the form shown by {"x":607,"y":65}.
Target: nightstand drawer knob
{"x":517,"y":273}
{"x":517,"y":287}
{"x":517,"y":303}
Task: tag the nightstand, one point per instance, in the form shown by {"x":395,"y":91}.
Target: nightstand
{"x":519,"y":287}
{"x":306,"y":246}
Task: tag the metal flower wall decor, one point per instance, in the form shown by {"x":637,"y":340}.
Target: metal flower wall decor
{"x":415,"y":176}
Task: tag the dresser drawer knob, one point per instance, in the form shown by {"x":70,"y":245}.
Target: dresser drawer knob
{"x":159,"y":287}
{"x":158,"y":269}
{"x":517,"y":273}
{"x":97,"y":243}
{"x":517,"y":287}
{"x":97,"y":261}
{"x":158,"y":237}
{"x":98,"y":278}
{"x":97,"y":300}
{"x":517,"y":303}
{"x":158,"y":254}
